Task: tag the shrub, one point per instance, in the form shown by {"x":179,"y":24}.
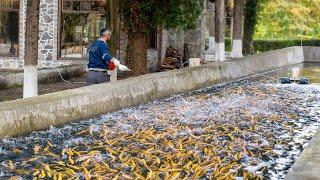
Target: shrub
{"x":264,"y":45}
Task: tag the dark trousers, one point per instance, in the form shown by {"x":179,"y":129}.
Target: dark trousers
{"x":95,"y":77}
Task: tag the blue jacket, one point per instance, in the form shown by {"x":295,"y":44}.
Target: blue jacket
{"x":99,"y":55}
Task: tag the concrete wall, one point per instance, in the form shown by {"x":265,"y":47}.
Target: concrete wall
{"x":27,"y":115}
{"x":312,"y":54}
{"x":307,"y":165}
{"x":15,"y":78}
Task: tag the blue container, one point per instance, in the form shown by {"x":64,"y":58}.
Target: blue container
{"x":285,"y":80}
{"x":304,"y":80}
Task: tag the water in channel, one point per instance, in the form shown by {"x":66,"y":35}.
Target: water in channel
{"x":253,"y":128}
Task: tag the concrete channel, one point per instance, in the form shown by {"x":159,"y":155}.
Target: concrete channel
{"x":307,"y":165}
{"x":26,"y":115}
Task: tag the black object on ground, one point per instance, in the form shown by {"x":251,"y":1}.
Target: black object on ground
{"x":287,"y":80}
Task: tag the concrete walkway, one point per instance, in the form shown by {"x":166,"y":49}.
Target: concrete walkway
{"x":13,"y":78}
{"x":308,"y":165}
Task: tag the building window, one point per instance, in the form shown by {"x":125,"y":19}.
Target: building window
{"x":81,"y":22}
{"x":9,"y":27}
{"x":152,"y":40}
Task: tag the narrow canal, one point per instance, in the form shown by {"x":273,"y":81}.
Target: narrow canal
{"x":254,"y":128}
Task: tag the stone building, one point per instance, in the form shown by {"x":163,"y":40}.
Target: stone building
{"x":67,"y":27}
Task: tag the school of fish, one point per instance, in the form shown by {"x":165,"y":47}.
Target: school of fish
{"x":223,"y":132}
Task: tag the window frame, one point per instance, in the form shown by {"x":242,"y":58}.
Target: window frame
{"x":8,"y":10}
{"x":60,"y":12}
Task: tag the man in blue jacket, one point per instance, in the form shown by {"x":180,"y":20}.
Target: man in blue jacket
{"x":100,"y":59}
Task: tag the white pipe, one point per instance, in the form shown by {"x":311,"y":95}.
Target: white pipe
{"x":30,"y":83}
{"x":236,"y":49}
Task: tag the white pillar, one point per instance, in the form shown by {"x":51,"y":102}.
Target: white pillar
{"x":236,"y":48}
{"x":220,"y":54}
{"x":30,"y":84}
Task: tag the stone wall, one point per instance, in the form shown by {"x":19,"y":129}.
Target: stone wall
{"x":11,"y":63}
{"x":48,"y":35}
{"x":47,"y":27}
{"x":194,"y":39}
{"x":152,"y":59}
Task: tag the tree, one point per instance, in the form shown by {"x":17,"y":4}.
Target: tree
{"x":237,"y":29}
{"x":30,"y":85}
{"x":115,"y":7}
{"x":250,"y":20}
{"x":220,"y":21}
{"x":115,"y":10}
{"x":288,"y":19}
{"x":212,"y":27}
{"x":144,"y":16}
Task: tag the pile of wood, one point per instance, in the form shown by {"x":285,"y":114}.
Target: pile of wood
{"x":172,"y":60}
